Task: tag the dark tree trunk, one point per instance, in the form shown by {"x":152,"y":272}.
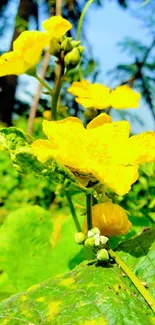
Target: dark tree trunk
{"x":8,"y":84}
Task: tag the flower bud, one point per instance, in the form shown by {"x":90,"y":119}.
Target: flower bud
{"x":111,"y":219}
{"x":90,"y":234}
{"x":95,"y":231}
{"x":97,"y":239}
{"x":47,"y":114}
{"x":90,"y":242}
{"x":102,"y":255}
{"x":103,"y":240}
{"x":81,"y":49}
{"x":79,"y":238}
{"x":66,"y":45}
{"x":72,"y":58}
{"x":75,"y":43}
{"x":54,"y":48}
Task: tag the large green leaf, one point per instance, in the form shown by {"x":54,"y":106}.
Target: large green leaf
{"x":139,"y":254}
{"x":35,"y":245}
{"x":89,"y":294}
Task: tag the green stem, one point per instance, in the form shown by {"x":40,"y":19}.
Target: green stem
{"x":80,"y":28}
{"x":82,"y":17}
{"x":56,"y":92}
{"x":44,"y":84}
{"x":146,"y":295}
{"x":89,"y":210}
{"x":73,"y":212}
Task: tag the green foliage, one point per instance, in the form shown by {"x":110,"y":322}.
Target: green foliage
{"x":90,"y":294}
{"x":36,"y":244}
{"x":18,"y":190}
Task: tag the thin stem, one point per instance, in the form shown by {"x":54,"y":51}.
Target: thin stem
{"x":89,"y":210}
{"x":44,"y":84}
{"x":146,"y":295}
{"x":56,"y":92}
{"x":80,"y":28}
{"x":82,"y":17}
{"x":73,"y":212}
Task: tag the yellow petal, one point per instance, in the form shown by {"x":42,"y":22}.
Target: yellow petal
{"x":29,"y":45}
{"x":142,"y":148}
{"x":67,"y":144}
{"x":99,"y":120}
{"x":56,"y":26}
{"x":79,"y":88}
{"x":85,"y":102}
{"x":124,"y":97}
{"x":117,"y":177}
{"x":90,"y":95}
{"x":100,"y":95}
{"x":111,"y":219}
{"x":11,"y":63}
{"x":43,"y":149}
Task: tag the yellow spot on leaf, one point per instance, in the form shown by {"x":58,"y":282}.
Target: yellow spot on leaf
{"x":67,"y":282}
{"x":58,"y":221}
{"x":54,"y":308}
{"x":32,"y":288}
{"x":24,"y":298}
{"x":96,"y":321}
{"x":90,"y":285}
{"x":40,"y":299}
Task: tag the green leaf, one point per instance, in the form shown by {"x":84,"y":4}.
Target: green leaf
{"x":139,"y":255}
{"x":90,"y":294}
{"x":35,"y":246}
{"x":18,"y":144}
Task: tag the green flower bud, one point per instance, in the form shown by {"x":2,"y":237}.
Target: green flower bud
{"x":103,"y":239}
{"x":97,"y":239}
{"x":81,"y":49}
{"x":79,"y":238}
{"x":90,"y":242}
{"x":90,"y":234}
{"x":75,"y":43}
{"x":66,"y":45}
{"x":95,"y":231}
{"x":72,"y":58}
{"x":54,"y":48}
{"x":102,"y":255}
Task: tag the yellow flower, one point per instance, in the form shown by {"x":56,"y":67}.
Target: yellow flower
{"x":27,"y":49}
{"x":100,"y":97}
{"x":102,"y":152}
{"x":56,"y":26}
{"x":111,"y":219}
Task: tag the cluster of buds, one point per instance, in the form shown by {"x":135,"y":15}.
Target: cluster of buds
{"x":67,"y":48}
{"x":95,"y":241}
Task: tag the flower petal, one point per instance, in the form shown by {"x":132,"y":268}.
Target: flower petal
{"x":11,"y":63}
{"x":29,"y":45}
{"x":56,"y":26}
{"x":43,"y":149}
{"x":99,"y":120}
{"x":124,"y":97}
{"x":79,"y":88}
{"x":117,"y":177}
{"x":67,"y":138}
